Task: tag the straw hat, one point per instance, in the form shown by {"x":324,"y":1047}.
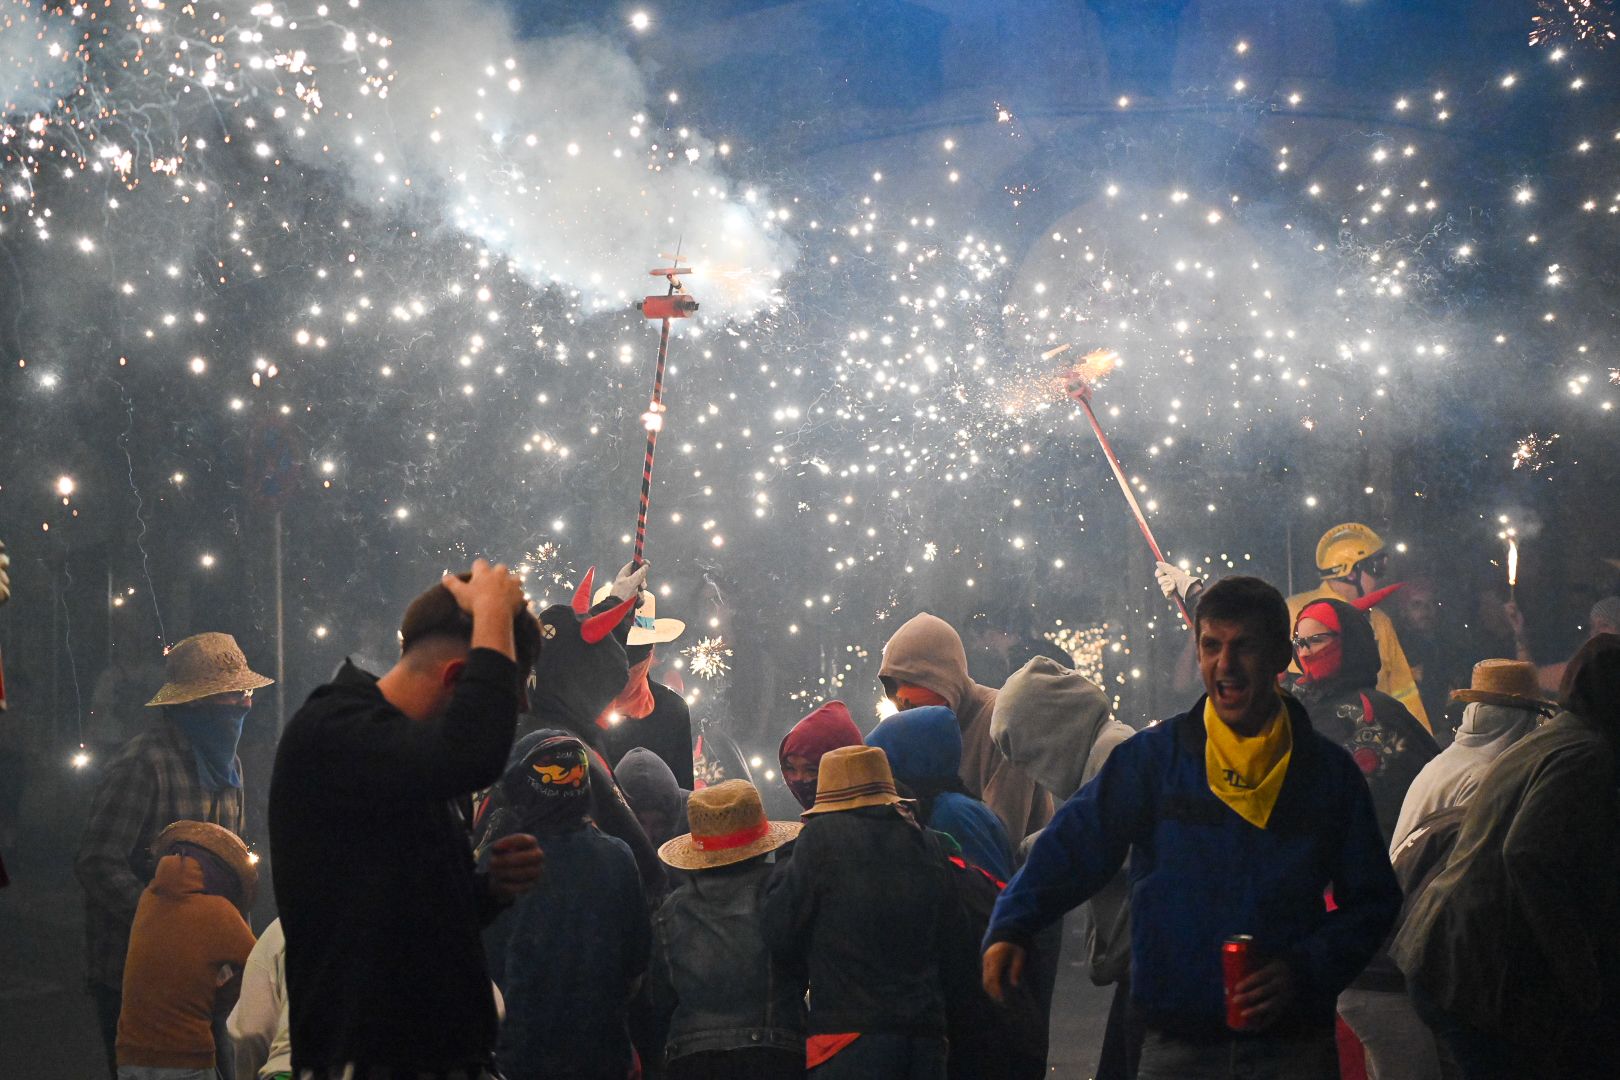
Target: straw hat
{"x":1505,"y":682}
{"x":648,"y":629}
{"x":728,"y":826}
{"x":204,"y":665}
{"x":851,"y":777}
{"x":219,"y":842}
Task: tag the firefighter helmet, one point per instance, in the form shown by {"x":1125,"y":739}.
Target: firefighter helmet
{"x":1343,"y":546}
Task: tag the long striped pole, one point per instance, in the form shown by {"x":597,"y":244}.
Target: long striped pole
{"x":654,"y":421}
{"x":1130,"y":496}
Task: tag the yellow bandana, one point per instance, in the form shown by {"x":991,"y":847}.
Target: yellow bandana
{"x":1247,"y":774}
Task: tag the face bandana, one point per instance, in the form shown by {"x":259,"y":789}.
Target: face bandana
{"x":636,"y":699}
{"x":1325,"y":662}
{"x":213,"y":732}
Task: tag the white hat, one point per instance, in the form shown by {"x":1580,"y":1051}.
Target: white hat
{"x":648,"y":629}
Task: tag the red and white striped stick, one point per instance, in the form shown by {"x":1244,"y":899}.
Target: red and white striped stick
{"x":674,"y":304}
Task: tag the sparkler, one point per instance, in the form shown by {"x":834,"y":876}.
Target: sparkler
{"x":707,"y":659}
{"x":674,"y":304}
{"x":1079,"y":381}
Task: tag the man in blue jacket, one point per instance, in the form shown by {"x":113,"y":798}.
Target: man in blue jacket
{"x":1239,"y":819}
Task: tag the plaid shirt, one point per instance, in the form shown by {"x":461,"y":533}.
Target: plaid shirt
{"x":150,"y":784}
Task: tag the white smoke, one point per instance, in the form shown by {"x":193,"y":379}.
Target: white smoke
{"x":543,"y":150}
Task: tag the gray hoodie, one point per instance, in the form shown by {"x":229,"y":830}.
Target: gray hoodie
{"x":1451,"y":778}
{"x":1055,"y":724}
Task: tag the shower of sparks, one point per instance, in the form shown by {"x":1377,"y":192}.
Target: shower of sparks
{"x":1531,"y":451}
{"x":1588,"y":21}
{"x":708,"y":658}
{"x":254,"y":247}
{"x":1093,"y":650}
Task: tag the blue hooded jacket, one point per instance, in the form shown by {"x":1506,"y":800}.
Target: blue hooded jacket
{"x":924,"y":747}
{"x":1200,"y":873}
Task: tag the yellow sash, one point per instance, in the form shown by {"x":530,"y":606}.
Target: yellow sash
{"x":1247,"y":774}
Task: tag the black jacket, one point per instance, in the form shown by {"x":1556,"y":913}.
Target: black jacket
{"x":374,"y":873}
{"x":666,"y":731}
{"x":866,"y":907}
{"x":1388,"y":743}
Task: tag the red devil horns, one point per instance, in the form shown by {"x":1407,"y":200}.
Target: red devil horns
{"x":582,"y":595}
{"x":1366,"y":603}
{"x":597,"y":627}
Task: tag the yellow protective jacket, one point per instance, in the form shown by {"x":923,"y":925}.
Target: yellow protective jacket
{"x":1394,"y":673}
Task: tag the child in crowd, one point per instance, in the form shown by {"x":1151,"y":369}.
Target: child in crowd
{"x":737,"y":1014}
{"x":186,"y":952}
{"x":569,"y":954}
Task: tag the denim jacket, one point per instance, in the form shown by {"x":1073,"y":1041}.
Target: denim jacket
{"x":711,"y":966}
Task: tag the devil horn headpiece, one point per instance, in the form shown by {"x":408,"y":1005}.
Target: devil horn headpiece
{"x":1377,"y":596}
{"x":599,"y":626}
{"x":582,"y":595}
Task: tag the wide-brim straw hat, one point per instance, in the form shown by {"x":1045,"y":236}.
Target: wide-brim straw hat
{"x":221,"y":843}
{"x":1511,"y":683}
{"x":648,"y":629}
{"x":851,"y":777}
{"x":204,"y":665}
{"x":728,"y":825}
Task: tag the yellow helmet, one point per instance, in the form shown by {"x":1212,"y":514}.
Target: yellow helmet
{"x":1342,"y":546}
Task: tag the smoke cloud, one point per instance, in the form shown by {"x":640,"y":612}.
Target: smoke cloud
{"x":551,"y":152}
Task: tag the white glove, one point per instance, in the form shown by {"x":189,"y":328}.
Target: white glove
{"x":5,"y":579}
{"x":630,"y":580}
{"x":1173,"y":580}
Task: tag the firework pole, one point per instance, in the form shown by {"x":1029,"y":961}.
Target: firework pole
{"x":673,"y":304}
{"x":1078,"y":384}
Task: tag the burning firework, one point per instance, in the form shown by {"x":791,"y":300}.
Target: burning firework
{"x":1590,"y":21}
{"x":707,"y":659}
{"x":1531,"y":450}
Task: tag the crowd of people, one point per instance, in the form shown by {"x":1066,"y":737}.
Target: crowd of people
{"x":494,"y":860}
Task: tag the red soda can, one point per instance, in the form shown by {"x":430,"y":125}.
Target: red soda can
{"x":1237,"y":963}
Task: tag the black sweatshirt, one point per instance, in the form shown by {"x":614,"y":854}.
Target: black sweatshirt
{"x":374,"y":874}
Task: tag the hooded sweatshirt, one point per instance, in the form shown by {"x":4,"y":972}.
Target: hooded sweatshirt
{"x":1056,"y":723}
{"x":828,"y":728}
{"x":924,"y":747}
{"x":1451,"y":779}
{"x":182,"y":937}
{"x":927,"y":652}
{"x":650,"y":787}
{"x":1386,"y":741}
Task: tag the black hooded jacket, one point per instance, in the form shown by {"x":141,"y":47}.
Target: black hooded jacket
{"x":575,"y":682}
{"x":1386,"y":741}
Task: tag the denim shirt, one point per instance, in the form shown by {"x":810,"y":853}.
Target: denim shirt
{"x":711,"y":966}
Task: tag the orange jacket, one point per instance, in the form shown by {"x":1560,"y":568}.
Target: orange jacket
{"x":181,"y":939}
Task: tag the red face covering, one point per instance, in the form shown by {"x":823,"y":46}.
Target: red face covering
{"x":635,"y":700}
{"x":1325,"y":663}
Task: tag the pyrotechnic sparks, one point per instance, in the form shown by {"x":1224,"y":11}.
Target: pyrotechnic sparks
{"x":1531,"y":451}
{"x":428,"y":278}
{"x":707,"y":658}
{"x":1589,"y":21}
